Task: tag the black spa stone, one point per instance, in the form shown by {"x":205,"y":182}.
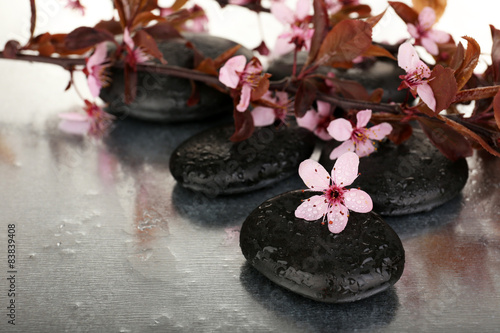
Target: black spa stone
{"x":366,"y":258}
{"x":408,"y":178}
{"x":163,"y":98}
{"x":383,"y":73}
{"x":210,"y":163}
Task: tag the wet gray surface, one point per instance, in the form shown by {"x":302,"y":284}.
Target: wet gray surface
{"x":107,"y":242}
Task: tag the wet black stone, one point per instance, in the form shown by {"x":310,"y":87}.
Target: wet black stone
{"x":383,"y":73}
{"x":410,"y":178}
{"x":163,"y":98}
{"x":210,"y":163}
{"x":366,"y":258}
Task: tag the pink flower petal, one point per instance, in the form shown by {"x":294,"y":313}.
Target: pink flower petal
{"x":427,"y":95}
{"x":413,"y":30}
{"x":430,"y":45}
{"x":324,"y":108}
{"x":426,"y":18}
{"x":281,"y":97}
{"x":314,"y":175}
{"x":309,"y":120}
{"x":364,"y":148}
{"x":282,"y":46}
{"x":338,"y":216}
{"x":246,"y":92}
{"x":282,"y":13}
{"x":322,"y":134}
{"x":94,"y":84}
{"x":99,"y":55}
{"x":312,"y":209}
{"x":228,"y":73}
{"x":73,"y":116}
{"x":345,"y":170}
{"x":263,"y":116}
{"x":363,"y":117}
{"x":347,"y":146}
{"x":438,"y":36}
{"x":379,"y":131}
{"x":340,"y":129}
{"x":423,"y":69}
{"x":407,"y":57}
{"x":358,"y":201}
{"x":127,"y":39}
{"x":74,"y":123}
{"x":303,"y":8}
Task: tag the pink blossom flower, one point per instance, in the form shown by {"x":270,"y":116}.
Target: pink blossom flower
{"x":76,"y":5}
{"x":265,"y":116}
{"x":236,"y":73}
{"x":134,"y":55}
{"x":94,"y":122}
{"x":359,"y":139}
{"x":318,"y":121}
{"x":335,"y":202}
{"x":417,"y":75}
{"x":424,"y":34}
{"x":300,"y":34}
{"x":95,"y":69}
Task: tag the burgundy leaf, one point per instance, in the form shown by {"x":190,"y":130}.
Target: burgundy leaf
{"x":408,"y":14}
{"x":33,"y":18}
{"x":347,"y":40}
{"x":130,"y":83}
{"x":121,"y":12}
{"x":444,"y":86}
{"x":243,"y":125}
{"x":400,"y":132}
{"x":84,"y":37}
{"x":261,"y":88}
{"x":378,"y":51}
{"x":194,"y":99}
{"x":495,"y":53}
{"x":163,"y":31}
{"x":112,"y":26}
{"x":262,"y":49}
{"x":147,"y":43}
{"x":351,"y":89}
{"x":496,"y":108}
{"x":451,"y":143}
{"x":304,"y":98}
{"x":457,"y":58}
{"x":320,"y":23}
{"x":372,"y":21}
{"x":10,"y":49}
{"x":144,"y":18}
{"x":466,"y":69}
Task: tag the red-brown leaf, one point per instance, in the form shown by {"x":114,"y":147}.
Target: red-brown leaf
{"x":305,"y":96}
{"x":351,"y":89}
{"x":372,"y":21}
{"x":471,"y":58}
{"x":451,"y":143}
{"x":121,"y":12}
{"x":495,"y":53}
{"x":85,"y":37}
{"x":347,"y":40}
{"x":10,"y":49}
{"x":444,"y":86}
{"x":408,"y":14}
{"x":243,"y":125}
{"x":144,"y":18}
{"x":163,"y":31}
{"x":194,"y":99}
{"x":320,"y":23}
{"x":178,"y":4}
{"x":147,"y":43}
{"x":207,"y":66}
{"x":457,"y":58}
{"x":112,"y":26}
{"x":378,"y":51}
{"x":262,"y":49}
{"x":222,"y":58}
{"x":400,"y":132}
{"x":496,"y":108}
{"x":261,"y":89}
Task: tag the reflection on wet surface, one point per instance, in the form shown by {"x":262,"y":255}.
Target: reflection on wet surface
{"x":111,"y":241}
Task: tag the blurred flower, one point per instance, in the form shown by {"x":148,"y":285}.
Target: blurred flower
{"x":318,"y":121}
{"x":335,"y":202}
{"x":95,"y":121}
{"x":265,"y":116}
{"x":75,"y":5}
{"x":424,"y":34}
{"x":134,"y":54}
